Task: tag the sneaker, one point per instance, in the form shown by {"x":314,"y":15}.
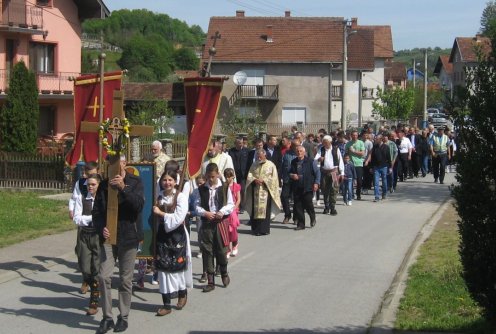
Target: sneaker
{"x":203,"y":278}
{"x":376,"y":200}
{"x":228,"y":255}
{"x":199,"y":255}
{"x":154,"y":282}
{"x":235,"y":251}
{"x":350,"y":203}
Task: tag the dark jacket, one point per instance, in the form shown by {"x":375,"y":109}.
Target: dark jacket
{"x":310,"y":173}
{"x":380,"y":156}
{"x":276,"y":158}
{"x":131,"y":201}
{"x":240,"y":159}
{"x":416,"y":140}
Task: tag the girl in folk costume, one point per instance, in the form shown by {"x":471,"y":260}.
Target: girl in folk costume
{"x":235,"y":189}
{"x":173,"y":249}
{"x":88,"y":246}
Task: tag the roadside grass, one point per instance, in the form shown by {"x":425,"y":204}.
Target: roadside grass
{"x":24,"y":216}
{"x":436,"y":297}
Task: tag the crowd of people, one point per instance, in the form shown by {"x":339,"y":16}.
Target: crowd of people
{"x":293,"y":174}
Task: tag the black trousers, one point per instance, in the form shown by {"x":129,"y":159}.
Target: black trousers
{"x":285,"y":196}
{"x":303,"y":202}
{"x":403,"y":166}
{"x":414,"y":164}
{"x":212,"y":248}
{"x":359,"y":174}
{"x":439,"y":166}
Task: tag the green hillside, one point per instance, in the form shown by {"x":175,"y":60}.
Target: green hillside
{"x":407,"y":56}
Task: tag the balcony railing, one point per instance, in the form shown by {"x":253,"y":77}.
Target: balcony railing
{"x":368,"y":93}
{"x":21,"y":17}
{"x":259,"y":92}
{"x":48,"y":83}
{"x":337,"y":92}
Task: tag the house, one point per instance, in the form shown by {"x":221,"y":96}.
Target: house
{"x":444,"y":71}
{"x":464,"y":55}
{"x":292,"y":66}
{"x":395,"y":75}
{"x":46,"y":35}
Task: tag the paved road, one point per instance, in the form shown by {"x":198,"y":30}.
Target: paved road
{"x":328,"y":279}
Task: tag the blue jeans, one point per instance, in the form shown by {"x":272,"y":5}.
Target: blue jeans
{"x":348,"y":190}
{"x":382,"y":172}
{"x":425,"y":164}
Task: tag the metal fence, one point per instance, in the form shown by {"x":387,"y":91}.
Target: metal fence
{"x":33,"y":171}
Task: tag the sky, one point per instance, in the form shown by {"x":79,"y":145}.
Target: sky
{"x":414,"y":24}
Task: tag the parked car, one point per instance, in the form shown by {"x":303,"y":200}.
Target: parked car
{"x":431,"y":111}
{"x":438,"y":120}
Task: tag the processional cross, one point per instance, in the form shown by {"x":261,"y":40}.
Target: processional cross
{"x":115,"y":129}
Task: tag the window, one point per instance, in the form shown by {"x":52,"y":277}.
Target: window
{"x":42,"y":57}
{"x":293,"y":114}
{"x":44,"y":3}
{"x":46,"y":122}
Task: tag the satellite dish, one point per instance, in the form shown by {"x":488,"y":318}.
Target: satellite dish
{"x":239,"y":78}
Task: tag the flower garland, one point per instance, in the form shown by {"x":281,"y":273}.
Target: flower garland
{"x":121,"y":142}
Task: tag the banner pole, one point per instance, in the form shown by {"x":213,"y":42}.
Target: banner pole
{"x":101,"y":57}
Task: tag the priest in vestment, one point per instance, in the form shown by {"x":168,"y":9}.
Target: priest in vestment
{"x":262,"y":194}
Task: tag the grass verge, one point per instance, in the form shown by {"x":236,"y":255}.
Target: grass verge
{"x":24,"y":216}
{"x":436,"y":297}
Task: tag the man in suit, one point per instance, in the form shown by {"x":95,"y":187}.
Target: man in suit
{"x":274,"y":154}
{"x":129,"y":234}
{"x":239,"y":155}
{"x":414,"y":164}
{"x":252,"y":156}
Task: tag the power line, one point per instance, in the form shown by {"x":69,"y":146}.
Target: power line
{"x":262,"y":11}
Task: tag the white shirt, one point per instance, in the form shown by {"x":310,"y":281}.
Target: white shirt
{"x":80,"y":219}
{"x":225,"y":210}
{"x":328,"y":162}
{"x":405,"y":145}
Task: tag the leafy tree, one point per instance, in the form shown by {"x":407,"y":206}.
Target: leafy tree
{"x":240,"y":119}
{"x":20,"y":113}
{"x":487,"y":18}
{"x":153,"y":112}
{"x":185,"y":59}
{"x":475,"y":193}
{"x":394,"y":103}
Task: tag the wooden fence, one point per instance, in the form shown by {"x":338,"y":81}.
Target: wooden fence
{"x":33,"y":171}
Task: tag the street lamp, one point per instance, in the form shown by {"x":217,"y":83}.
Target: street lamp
{"x":347,"y":24}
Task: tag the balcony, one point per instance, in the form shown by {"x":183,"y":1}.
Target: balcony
{"x":255,"y":92}
{"x":21,"y":18}
{"x":337,"y":92}
{"x":49,"y":84}
{"x":368,"y":93}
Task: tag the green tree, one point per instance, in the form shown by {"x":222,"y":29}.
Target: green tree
{"x":153,"y":112}
{"x":242,"y":119}
{"x":475,"y":193}
{"x":185,"y":59}
{"x":487,"y":19}
{"x":395,"y":103}
{"x":20,"y":113}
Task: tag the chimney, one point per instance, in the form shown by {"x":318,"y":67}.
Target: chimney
{"x":240,"y":13}
{"x":269,"y":33}
{"x":478,"y":38}
{"x":354,"y":22}
{"x":287,"y":13}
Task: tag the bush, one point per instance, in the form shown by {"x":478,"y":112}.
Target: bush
{"x":475,"y":193}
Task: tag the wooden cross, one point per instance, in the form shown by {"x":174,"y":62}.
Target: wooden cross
{"x":114,"y":168}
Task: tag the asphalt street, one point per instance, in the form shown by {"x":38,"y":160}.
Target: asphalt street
{"x":328,"y":279}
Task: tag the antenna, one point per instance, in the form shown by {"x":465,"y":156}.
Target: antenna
{"x":239,"y":78}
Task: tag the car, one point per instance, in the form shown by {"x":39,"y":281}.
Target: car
{"x":431,"y":111}
{"x":438,"y":120}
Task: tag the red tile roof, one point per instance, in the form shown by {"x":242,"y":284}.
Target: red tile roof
{"x":142,"y":91}
{"x":294,"y":40}
{"x":467,"y":47}
{"x":383,"y":41}
{"x":443,"y":62}
{"x":394,"y":71}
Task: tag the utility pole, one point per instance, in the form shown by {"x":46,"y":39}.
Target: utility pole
{"x":425,"y":89}
{"x":345,"y":74}
{"x":329,"y":100}
{"x":414,"y":70}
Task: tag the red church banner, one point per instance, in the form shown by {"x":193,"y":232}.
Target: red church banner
{"x":87,"y":108}
{"x":202,"y":99}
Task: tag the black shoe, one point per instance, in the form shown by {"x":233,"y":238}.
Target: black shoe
{"x":105,"y":326}
{"x":333,"y":212}
{"x":383,"y":197}
{"x":441,"y":182}
{"x":299,"y":228}
{"x":359,"y":198}
{"x":325,"y":212}
{"x":121,"y":325}
{"x":313,"y":222}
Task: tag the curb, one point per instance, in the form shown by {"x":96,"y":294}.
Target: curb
{"x":383,"y":321}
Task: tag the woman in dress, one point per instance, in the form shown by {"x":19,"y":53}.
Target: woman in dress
{"x":171,"y":209}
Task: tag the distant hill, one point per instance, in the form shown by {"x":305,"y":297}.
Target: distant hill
{"x":153,"y":45}
{"x":407,"y":56}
